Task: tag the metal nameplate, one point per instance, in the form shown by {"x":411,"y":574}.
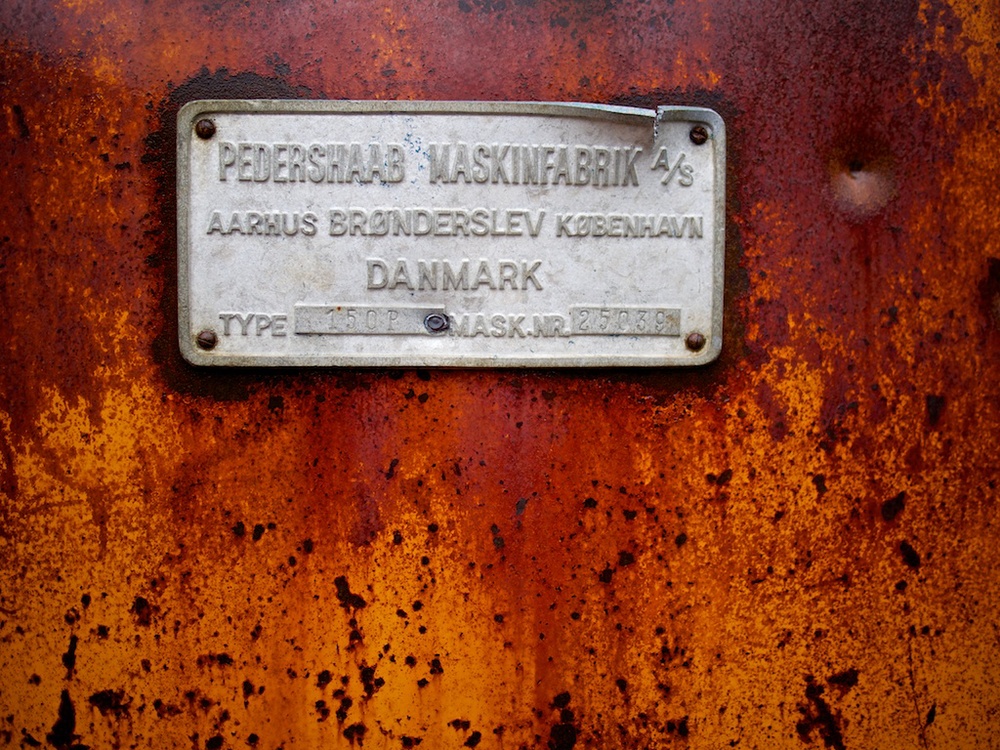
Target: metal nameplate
{"x":454,"y":234}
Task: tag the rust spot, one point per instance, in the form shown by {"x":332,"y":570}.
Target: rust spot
{"x":110,"y":701}
{"x":345,"y":705}
{"x":369,"y":681}
{"x":910,"y":556}
{"x":392,"y":468}
{"x":893,"y":507}
{"x":355,"y":733}
{"x":69,"y":658}
{"x":846,"y":679}
{"x":142,"y":610}
{"x":989,"y":293}
{"x":817,"y":716}
{"x":63,"y":734}
{"x":22,"y":123}
{"x":935,"y":407}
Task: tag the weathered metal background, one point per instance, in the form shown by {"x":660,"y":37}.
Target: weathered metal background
{"x":796,"y":546}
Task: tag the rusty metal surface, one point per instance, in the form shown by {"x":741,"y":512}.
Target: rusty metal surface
{"x":794,"y":547}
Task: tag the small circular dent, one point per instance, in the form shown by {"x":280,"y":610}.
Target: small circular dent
{"x":862,"y":179}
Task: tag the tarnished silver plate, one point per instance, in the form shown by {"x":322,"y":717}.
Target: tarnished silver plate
{"x":451,"y":234}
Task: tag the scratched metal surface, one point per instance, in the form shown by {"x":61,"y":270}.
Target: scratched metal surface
{"x":795,"y":546}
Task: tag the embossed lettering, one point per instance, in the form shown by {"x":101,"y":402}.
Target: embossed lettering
{"x":227,"y":158}
{"x":528,"y":274}
{"x":532,"y":164}
{"x":584,"y":157}
{"x":508,"y":274}
{"x":446,"y":274}
{"x":484,"y":276}
{"x":264,"y":223}
{"x":434,"y":222}
{"x":629,"y":225}
{"x":400,"y":276}
{"x":280,"y":158}
{"x":273,"y":323}
{"x":438,"y":155}
{"x":515,"y":322}
{"x":314,"y":162}
{"x":459,"y":280}
{"x":679,"y":167}
{"x":630,"y":177}
{"x":244,"y":322}
{"x":378,"y":273}
{"x":507,"y":325}
{"x":498,"y":153}
{"x":215,"y":223}
{"x":427,"y":275}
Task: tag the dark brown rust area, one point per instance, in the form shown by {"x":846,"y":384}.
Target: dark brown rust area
{"x":160,"y":158}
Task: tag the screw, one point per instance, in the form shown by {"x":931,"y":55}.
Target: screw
{"x":695,"y":341}
{"x":205,"y":129}
{"x":699,"y":134}
{"x":207,"y":340}
{"x":437,"y":322}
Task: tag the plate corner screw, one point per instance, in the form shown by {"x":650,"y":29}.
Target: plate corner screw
{"x":695,"y":341}
{"x":204,"y":128}
{"x":207,"y":340}
{"x":699,"y":135}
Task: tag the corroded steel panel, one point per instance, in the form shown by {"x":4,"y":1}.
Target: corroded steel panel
{"x":794,"y":546}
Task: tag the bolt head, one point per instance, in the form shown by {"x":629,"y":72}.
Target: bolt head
{"x":204,"y":128}
{"x":699,"y":135}
{"x":207,"y":340}
{"x":437,"y":322}
{"x":695,"y":341}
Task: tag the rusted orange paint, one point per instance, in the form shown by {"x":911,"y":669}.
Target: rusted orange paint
{"x":793,"y":547}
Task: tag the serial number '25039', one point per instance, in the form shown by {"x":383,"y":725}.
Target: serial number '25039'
{"x":633,"y":321}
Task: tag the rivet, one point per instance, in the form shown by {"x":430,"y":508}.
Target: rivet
{"x":204,"y":129}
{"x":695,"y":341}
{"x":437,"y":322}
{"x":699,"y":134}
{"x":207,"y":340}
